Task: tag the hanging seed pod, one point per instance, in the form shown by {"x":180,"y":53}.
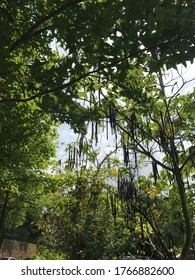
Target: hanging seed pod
{"x":116,"y":202}
{"x":155,"y":171}
{"x":90,"y":105}
{"x":110,"y":116}
{"x":162,"y":120}
{"x":118,"y":180}
{"x":125,"y":154}
{"x":125,"y":150}
{"x":99,"y":96}
{"x":132,"y":127}
{"x":96,"y":133}
{"x":92,"y":131}
{"x":107,"y":121}
{"x":113,"y":118}
{"x":136,"y":163}
{"x":163,"y":140}
{"x":85,"y":151}
{"x":86,"y":159}
{"x":74,"y":156}
{"x":111,"y":201}
{"x":129,"y":192}
{"x":70,"y":157}
{"x":114,"y":212}
{"x":123,"y":189}
{"x":130,"y":189}
{"x":81,"y":144}
{"x":93,"y":97}
{"x":103,"y":125}
{"x":115,"y":132}
{"x":107,"y":199}
{"x":76,"y":159}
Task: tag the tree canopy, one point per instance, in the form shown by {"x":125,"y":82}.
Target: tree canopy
{"x":95,"y":41}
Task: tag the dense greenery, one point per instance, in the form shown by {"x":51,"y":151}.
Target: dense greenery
{"x":26,"y":148}
{"x":97,"y":65}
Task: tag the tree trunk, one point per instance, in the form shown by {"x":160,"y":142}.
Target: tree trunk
{"x":188,"y":227}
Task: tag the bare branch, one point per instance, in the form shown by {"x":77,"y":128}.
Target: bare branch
{"x":142,"y":150}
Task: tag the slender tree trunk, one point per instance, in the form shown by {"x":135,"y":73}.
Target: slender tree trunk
{"x":165,"y":250}
{"x":177,"y":172}
{"x":188,"y":227}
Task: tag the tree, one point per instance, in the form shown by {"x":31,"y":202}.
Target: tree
{"x":115,"y":43}
{"x":158,"y":126}
{"x":27,"y":147}
{"x":104,"y":44}
{"x":80,"y":219}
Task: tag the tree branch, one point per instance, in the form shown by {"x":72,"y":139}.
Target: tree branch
{"x":190,"y":156}
{"x":156,"y":230}
{"x":26,"y":35}
{"x":142,"y":150}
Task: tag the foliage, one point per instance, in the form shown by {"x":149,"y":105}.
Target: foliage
{"x":109,"y":54}
{"x":79,"y":220}
{"x":27,"y":147}
{"x":110,"y":37}
{"x":48,"y":255}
